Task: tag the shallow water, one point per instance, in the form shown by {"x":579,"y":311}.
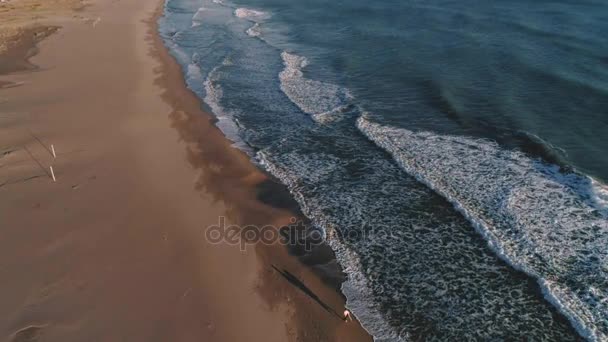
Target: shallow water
{"x":454,"y":153}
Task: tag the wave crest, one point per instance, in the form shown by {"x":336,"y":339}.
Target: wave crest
{"x":548,"y":224}
{"x":325,"y":102}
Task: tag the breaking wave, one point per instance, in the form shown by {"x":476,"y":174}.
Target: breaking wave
{"x":432,"y":276}
{"x":323,"y":101}
{"x":548,"y":224}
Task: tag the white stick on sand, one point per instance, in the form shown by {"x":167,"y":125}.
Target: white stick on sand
{"x":52,"y":174}
{"x":53,"y":150}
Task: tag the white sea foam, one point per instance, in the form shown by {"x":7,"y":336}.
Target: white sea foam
{"x":226,"y":121}
{"x":251,"y":14}
{"x":213,"y":91}
{"x":323,"y":101}
{"x":600,"y":193}
{"x":197,"y":18}
{"x":379,"y":197}
{"x":254,"y":31}
{"x":194,"y":75}
{"x":550,"y":225}
{"x":358,"y":294}
{"x":313,"y":168}
{"x":305,"y":94}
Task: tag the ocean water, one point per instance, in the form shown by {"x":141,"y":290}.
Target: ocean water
{"x":455,"y":153}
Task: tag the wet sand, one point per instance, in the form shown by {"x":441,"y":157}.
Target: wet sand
{"x":115,"y":249}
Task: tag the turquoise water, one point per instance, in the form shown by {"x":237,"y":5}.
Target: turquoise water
{"x":454,"y":152}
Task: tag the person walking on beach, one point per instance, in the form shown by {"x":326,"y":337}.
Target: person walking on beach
{"x":347,"y":316}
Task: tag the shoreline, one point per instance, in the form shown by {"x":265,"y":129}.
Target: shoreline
{"x":132,"y":142}
{"x":261,"y":182}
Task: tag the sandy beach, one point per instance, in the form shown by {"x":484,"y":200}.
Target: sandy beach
{"x":115,"y":248}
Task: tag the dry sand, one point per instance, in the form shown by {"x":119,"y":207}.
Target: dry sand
{"x":115,"y":249}
{"x":26,"y":22}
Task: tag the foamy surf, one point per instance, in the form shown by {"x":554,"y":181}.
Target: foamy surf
{"x":197,"y":17}
{"x":398,"y":275}
{"x":323,"y":101}
{"x":541,"y":221}
{"x":194,"y":77}
{"x":358,"y":293}
{"x":356,"y":287}
{"x":250,"y":14}
{"x":254,"y":31}
{"x":599,"y":193}
{"x":254,"y":16}
{"x":225,"y":121}
{"x":436,"y":278}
